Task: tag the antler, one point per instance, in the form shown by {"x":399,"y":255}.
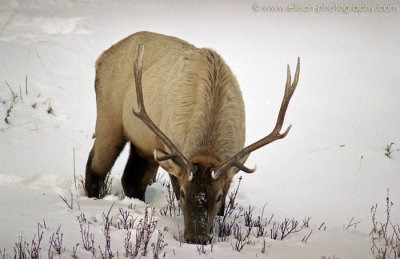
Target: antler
{"x":274,"y":135}
{"x":142,"y":115}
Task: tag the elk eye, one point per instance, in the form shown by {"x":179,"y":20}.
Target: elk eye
{"x":196,"y":167}
{"x":219,"y":198}
{"x":182,"y":194}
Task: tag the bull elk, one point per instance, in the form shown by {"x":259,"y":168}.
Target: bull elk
{"x":181,"y":108}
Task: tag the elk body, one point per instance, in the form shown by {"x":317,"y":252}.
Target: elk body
{"x":181,"y":108}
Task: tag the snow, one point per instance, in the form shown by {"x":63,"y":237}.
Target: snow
{"x":331,"y":167}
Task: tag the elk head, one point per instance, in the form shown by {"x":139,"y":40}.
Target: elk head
{"x":201,"y":197}
{"x":204,"y":181}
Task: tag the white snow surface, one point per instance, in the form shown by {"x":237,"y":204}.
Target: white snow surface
{"x":331,"y":166}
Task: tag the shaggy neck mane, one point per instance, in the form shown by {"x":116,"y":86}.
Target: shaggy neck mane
{"x":206,"y":96}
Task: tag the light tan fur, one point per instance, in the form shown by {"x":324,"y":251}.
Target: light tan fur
{"x":190,"y":93}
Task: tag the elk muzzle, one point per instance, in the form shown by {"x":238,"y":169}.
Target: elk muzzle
{"x":198,"y":220}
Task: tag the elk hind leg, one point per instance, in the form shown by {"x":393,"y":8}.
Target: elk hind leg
{"x":105,"y":151}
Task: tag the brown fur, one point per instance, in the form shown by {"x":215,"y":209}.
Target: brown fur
{"x":193,"y":97}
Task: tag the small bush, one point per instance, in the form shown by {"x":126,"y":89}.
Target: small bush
{"x":56,"y":242}
{"x":172,"y":208}
{"x":159,"y":246}
{"x":144,"y":231}
{"x":385,"y":235}
{"x":87,"y":237}
{"x":125,"y":220}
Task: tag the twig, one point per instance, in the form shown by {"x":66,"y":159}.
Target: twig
{"x":323,"y":223}
{"x":73,"y":157}
{"x":9,"y":20}
{"x":306,"y":222}
{"x":200,"y":249}
{"x":106,"y":231}
{"x":12,"y":92}
{"x":362,"y":157}
{"x":351,"y":224}
{"x":20,"y":93}
{"x":70,"y":205}
{"x":74,"y":256}
{"x":126,"y":221}
{"x":232,"y":197}
{"x":389,"y":150}
{"x":305,"y":238}
{"x":289,"y":227}
{"x":263,"y":249}
{"x":38,"y":55}
{"x":26,"y":85}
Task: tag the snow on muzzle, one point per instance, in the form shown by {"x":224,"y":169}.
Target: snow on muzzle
{"x":198,"y":221}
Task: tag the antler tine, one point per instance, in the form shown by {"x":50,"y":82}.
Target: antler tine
{"x":274,"y":135}
{"x":143,"y":116}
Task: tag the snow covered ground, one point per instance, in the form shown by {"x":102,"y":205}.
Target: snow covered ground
{"x":331,"y":167}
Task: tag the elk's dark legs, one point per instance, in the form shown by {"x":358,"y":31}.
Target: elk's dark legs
{"x":93,"y":181}
{"x":221,"y":212}
{"x":137,"y":175}
{"x":100,"y":161}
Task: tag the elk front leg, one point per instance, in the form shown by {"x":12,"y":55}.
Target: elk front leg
{"x":137,"y":175}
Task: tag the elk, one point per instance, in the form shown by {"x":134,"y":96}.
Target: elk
{"x":181,"y":108}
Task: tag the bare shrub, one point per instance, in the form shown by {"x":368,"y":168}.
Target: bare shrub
{"x":172,"y":208}
{"x":248,"y":214}
{"x":306,"y":237}
{"x":12,"y":103}
{"x":87,"y":237}
{"x":385,"y":235}
{"x":74,"y":249}
{"x":222,"y":226}
{"x":242,"y":238}
{"x":159,"y":246}
{"x":70,"y":204}
{"x":129,"y":251}
{"x":289,"y":226}
{"x":34,"y":248}
{"x":144,"y":231}
{"x":56,"y":242}
{"x":230,"y":224}
{"x":201,"y":249}
{"x":23,"y":249}
{"x":105,"y":187}
{"x":232,"y":201}
{"x":106,"y":231}
{"x":125,"y":220}
{"x":389,"y":150}
{"x":3,"y":254}
{"x":352,"y":223}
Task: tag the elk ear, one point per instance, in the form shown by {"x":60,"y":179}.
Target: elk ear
{"x":168,"y":165}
